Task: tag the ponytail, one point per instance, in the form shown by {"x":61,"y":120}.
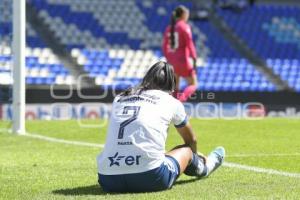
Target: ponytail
{"x":177,"y":13}
{"x":172,"y":36}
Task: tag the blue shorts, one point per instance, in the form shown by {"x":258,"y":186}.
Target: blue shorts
{"x":157,"y":179}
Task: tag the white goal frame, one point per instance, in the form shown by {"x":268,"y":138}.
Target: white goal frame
{"x":18,"y":57}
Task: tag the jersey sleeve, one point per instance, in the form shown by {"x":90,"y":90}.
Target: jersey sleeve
{"x":189,"y":41}
{"x":179,"y":118}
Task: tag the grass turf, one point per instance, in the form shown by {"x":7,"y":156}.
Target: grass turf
{"x":36,"y":169}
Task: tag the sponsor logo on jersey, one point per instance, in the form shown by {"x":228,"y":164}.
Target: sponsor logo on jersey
{"x":127,"y":160}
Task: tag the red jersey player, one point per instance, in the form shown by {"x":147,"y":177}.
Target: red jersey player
{"x":178,"y":48}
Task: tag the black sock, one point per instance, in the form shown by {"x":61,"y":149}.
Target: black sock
{"x":196,"y":167}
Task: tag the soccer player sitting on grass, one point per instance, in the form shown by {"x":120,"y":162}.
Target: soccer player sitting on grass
{"x":134,"y":158}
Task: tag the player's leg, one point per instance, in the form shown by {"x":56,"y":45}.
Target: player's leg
{"x":183,"y":154}
{"x":194,"y":165}
{"x":188,"y":161}
{"x":191,"y":88}
{"x":211,"y":163}
{"x":163,"y":177}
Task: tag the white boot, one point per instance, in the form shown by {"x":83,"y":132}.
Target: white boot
{"x":215,"y":159}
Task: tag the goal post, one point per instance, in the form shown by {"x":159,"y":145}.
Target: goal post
{"x":18,"y":55}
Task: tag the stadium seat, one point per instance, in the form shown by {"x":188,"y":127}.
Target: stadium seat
{"x":119,"y":45}
{"x":41,"y":64}
{"x":273,"y":32}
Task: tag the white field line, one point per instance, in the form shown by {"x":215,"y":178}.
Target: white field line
{"x":225,"y":164}
{"x":4,"y":130}
{"x":262,"y":155}
{"x":261,"y":170}
{"x":50,"y":139}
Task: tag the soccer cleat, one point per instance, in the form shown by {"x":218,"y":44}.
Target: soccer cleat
{"x":215,"y":159}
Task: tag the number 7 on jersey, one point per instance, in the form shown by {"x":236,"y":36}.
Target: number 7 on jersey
{"x":136,"y":110}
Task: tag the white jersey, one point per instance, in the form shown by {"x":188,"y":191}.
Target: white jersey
{"x":137,"y":132}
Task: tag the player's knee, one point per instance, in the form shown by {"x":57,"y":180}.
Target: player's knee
{"x":188,"y":151}
{"x":183,"y":150}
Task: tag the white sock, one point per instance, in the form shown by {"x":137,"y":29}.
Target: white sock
{"x":210,"y":163}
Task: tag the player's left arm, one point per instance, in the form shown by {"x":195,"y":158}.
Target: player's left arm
{"x":190,"y":139}
{"x":183,"y":127}
{"x":188,"y":136}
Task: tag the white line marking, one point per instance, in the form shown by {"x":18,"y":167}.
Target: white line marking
{"x":225,"y":164}
{"x":50,"y":139}
{"x":262,"y":155}
{"x":4,"y":130}
{"x":261,"y":170}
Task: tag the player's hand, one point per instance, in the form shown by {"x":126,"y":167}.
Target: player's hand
{"x":195,"y":64}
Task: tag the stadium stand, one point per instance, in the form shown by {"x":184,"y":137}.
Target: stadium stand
{"x":273,"y":32}
{"x":42,"y":66}
{"x":115,"y":46}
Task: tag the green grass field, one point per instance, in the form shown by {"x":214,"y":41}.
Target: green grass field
{"x":32,"y":168}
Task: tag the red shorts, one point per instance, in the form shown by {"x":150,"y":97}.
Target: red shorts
{"x":183,"y":69}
